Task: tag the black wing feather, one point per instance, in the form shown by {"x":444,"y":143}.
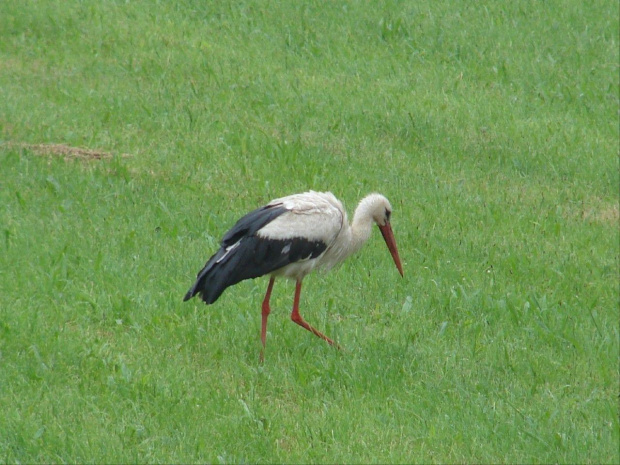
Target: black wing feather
{"x":253,"y":256}
{"x":252,"y":222}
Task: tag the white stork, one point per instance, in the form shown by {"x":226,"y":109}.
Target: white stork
{"x":290,"y":237}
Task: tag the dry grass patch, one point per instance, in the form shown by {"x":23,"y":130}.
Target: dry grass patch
{"x":600,"y":211}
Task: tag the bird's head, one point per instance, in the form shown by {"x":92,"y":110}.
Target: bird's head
{"x":381,"y":212}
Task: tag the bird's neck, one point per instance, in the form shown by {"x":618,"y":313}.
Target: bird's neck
{"x":361,"y":228}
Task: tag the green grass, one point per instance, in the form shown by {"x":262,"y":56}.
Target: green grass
{"x":491,"y":126}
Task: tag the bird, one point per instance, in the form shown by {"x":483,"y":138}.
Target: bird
{"x":290,"y":237}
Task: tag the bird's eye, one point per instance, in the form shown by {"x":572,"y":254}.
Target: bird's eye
{"x":388,"y":213}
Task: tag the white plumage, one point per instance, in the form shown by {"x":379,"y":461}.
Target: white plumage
{"x":313,"y":216}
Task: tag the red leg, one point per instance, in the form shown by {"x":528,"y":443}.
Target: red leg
{"x":297,"y":318}
{"x":265,"y":314}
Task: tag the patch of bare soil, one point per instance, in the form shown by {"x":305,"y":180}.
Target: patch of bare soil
{"x":65,"y":151}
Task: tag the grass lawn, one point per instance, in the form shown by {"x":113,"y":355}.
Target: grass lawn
{"x":134,"y":134}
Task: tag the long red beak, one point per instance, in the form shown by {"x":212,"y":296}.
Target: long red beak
{"x":388,"y":236}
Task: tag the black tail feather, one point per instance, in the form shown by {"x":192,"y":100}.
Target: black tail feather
{"x":205,"y":284}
